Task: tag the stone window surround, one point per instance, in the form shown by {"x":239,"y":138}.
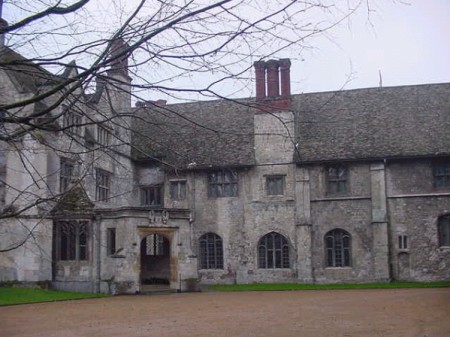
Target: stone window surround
{"x":337,"y":183}
{"x":72,"y":240}
{"x":223,"y":183}
{"x":338,"y":251}
{"x":210,"y":251}
{"x":151,"y":195}
{"x":273,"y":256}
{"x":102,"y":185}
{"x":443,"y":231}
{"x":270,"y":180}
{"x":178,"y":189}
{"x":441,"y":174}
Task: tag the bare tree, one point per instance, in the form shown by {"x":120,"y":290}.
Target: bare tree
{"x":125,"y":51}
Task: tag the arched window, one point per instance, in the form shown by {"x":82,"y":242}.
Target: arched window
{"x":444,"y":230}
{"x":273,"y":251}
{"x":211,"y":251}
{"x":337,"y":245}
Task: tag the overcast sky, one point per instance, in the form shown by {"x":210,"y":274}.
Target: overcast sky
{"x":408,"y":44}
{"x":402,"y":41}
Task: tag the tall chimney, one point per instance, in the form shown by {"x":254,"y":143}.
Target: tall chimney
{"x":260,"y":77}
{"x":285,"y":77}
{"x":273,"y":89}
{"x":119,"y":65}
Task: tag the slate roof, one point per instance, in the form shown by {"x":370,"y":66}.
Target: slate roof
{"x":361,"y":124}
{"x":195,"y":135}
{"x":26,"y":75}
{"x":389,"y":122}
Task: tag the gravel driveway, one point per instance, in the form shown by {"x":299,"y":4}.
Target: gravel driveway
{"x":359,"y":313}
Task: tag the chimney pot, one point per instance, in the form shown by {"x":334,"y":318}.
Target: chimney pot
{"x":260,"y":78}
{"x":273,"y":87}
{"x":285,"y":77}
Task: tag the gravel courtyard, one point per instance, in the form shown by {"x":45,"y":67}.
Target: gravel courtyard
{"x":361,"y":313}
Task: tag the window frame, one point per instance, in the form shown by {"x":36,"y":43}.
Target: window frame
{"x":269,"y":255}
{"x":339,"y":255}
{"x":443,"y":229}
{"x":403,"y":242}
{"x":73,"y":122}
{"x":71,"y":245}
{"x":223,"y":184}
{"x":441,"y":180}
{"x":210,"y":251}
{"x":102,"y":185}
{"x":146,"y":192}
{"x":178,"y":190}
{"x":103,"y":135}
{"x":111,"y":241}
{"x":275,"y":179}
{"x":337,"y":180}
{"x":66,"y":173}
{"x":154,"y":244}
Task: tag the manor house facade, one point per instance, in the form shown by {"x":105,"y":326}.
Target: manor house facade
{"x":332,"y":187}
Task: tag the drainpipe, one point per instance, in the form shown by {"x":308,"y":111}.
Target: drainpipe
{"x":98,"y":220}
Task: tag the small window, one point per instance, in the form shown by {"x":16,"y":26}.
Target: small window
{"x":337,"y":245}
{"x":211,"y":251}
{"x":337,"y":180}
{"x":102,"y":184}
{"x":178,"y":190}
{"x":223,"y":184}
{"x":155,"y":245}
{"x":151,"y":196}
{"x":403,"y":242}
{"x":275,"y":185}
{"x":72,"y":240}
{"x":72,"y":121}
{"x":102,"y":135}
{"x":273,"y":251}
{"x":441,"y":175}
{"x":111,"y":241}
{"x":66,"y":172}
{"x":444,"y":230}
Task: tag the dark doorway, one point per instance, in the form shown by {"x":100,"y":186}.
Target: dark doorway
{"x":155,"y":260}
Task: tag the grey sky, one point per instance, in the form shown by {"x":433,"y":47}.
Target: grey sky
{"x":408,"y":43}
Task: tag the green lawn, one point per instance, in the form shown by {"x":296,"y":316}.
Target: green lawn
{"x":294,"y":286}
{"x":10,"y":296}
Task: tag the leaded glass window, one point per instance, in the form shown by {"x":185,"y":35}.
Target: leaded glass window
{"x":223,"y":184}
{"x":211,"y":251}
{"x":444,"y":230}
{"x":337,"y":182}
{"x":273,"y":251}
{"x":337,"y":245}
{"x":72,"y":240}
{"x":441,"y":175}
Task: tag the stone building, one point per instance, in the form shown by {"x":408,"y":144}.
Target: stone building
{"x":345,"y":186}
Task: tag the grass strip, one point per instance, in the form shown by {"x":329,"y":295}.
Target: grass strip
{"x":9,"y":296}
{"x":296,"y":286}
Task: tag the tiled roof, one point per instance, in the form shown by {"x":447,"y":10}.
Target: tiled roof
{"x":26,"y":75}
{"x":406,"y":121}
{"x":195,"y":135}
{"x":361,"y":124}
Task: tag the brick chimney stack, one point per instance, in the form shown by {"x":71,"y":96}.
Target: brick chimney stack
{"x":271,"y":77}
{"x":285,"y":77}
{"x":273,"y":82}
{"x":260,"y":77}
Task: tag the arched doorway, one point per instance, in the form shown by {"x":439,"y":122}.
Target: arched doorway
{"x":155,"y":260}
